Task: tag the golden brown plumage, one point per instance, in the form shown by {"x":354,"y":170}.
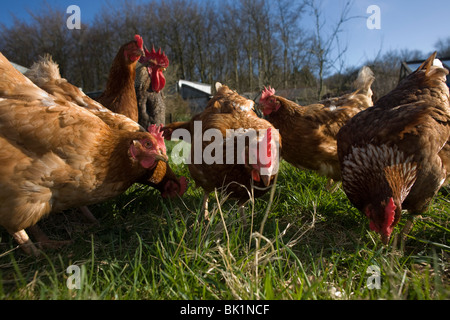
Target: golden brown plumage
{"x":120,"y":95}
{"x":394,"y":155}
{"x":225,"y":111}
{"x":45,"y":74}
{"x":56,"y":155}
{"x":309,"y":132}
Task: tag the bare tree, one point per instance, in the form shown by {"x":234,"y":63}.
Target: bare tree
{"x":443,"y":47}
{"x":290,"y":33}
{"x":236,"y":42}
{"x":231,"y":26}
{"x":326,"y":44}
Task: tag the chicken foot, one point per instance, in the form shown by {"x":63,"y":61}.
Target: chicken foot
{"x":43,"y":241}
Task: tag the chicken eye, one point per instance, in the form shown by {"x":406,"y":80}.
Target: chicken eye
{"x":147,"y":144}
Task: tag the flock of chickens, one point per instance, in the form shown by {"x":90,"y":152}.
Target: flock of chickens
{"x":60,"y":149}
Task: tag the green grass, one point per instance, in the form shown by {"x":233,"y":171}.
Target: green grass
{"x":307,"y":243}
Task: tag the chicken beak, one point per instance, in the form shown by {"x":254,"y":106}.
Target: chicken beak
{"x":161,"y":156}
{"x":266,"y":180}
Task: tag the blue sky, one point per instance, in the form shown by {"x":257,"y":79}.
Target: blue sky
{"x":414,"y":25}
{"x":404,"y":24}
{"x":20,"y":8}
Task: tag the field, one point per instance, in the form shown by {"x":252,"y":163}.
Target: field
{"x":298,"y":242}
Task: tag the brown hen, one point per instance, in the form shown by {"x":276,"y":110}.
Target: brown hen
{"x":394,"y":156}
{"x":309,"y":132}
{"x":120,"y":95}
{"x":232,"y":169}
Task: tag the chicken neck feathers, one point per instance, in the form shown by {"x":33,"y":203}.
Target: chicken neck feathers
{"x":120,"y":95}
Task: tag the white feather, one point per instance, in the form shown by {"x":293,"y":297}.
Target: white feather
{"x":437,"y":63}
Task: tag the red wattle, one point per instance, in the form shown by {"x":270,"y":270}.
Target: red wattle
{"x":158,"y":81}
{"x":147,"y":163}
{"x":255,"y":175}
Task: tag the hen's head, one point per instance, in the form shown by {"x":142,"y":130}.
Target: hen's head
{"x":134,"y":50}
{"x":266,"y":154}
{"x":156,"y":62}
{"x":148,"y":148}
{"x":268,"y":101}
{"x":383,"y":217}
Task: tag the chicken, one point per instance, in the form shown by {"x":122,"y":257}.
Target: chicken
{"x":226,"y":163}
{"x":119,"y":95}
{"x":156,"y":62}
{"x":309,"y":132}
{"x":45,"y":74}
{"x":56,"y":155}
{"x":149,"y":84}
{"x":394,"y":156}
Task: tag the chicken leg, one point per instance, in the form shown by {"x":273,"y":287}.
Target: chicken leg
{"x":241,"y":212}
{"x":205,"y":206}
{"x":332,"y":185}
{"x":407,"y":229}
{"x":88,"y":215}
{"x":21,"y":237}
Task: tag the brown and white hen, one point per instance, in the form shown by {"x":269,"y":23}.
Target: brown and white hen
{"x":393,"y":156}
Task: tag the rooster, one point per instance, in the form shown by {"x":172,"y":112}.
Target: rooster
{"x":45,"y":74}
{"x":395,"y":156}
{"x":119,"y":95}
{"x":56,"y":155}
{"x":309,"y":132}
{"x":156,"y":62}
{"x":230,"y":115}
{"x":149,"y":84}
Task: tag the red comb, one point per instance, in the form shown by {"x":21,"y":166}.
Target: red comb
{"x":155,"y":130}
{"x":159,"y":57}
{"x":267,"y":92}
{"x":139,"y":41}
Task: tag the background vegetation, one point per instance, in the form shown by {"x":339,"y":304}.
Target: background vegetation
{"x":239,"y":43}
